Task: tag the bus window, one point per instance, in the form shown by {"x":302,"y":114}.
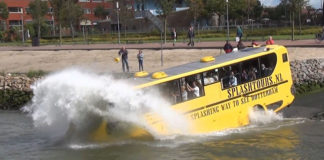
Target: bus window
{"x":182,"y":89}
{"x":230,"y":75}
{"x":191,"y":87}
{"x":267,"y":64}
{"x":210,"y":77}
{"x":250,"y":70}
{"x":170,"y":91}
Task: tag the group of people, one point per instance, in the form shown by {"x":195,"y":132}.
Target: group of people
{"x":229,"y":48}
{"x":123,"y":53}
{"x":248,"y":74}
{"x":190,"y":35}
{"x":190,"y":91}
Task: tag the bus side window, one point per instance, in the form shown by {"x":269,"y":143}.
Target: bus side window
{"x":210,"y":77}
{"x":267,"y":64}
{"x":230,"y":76}
{"x":174,"y":91}
{"x":250,"y":70}
{"x":170,"y":91}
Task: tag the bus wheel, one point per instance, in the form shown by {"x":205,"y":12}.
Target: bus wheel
{"x":258,"y":108}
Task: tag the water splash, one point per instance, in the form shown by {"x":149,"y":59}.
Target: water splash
{"x":76,"y":97}
{"x":259,"y":117}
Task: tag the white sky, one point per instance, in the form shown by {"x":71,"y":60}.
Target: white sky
{"x":314,"y":3}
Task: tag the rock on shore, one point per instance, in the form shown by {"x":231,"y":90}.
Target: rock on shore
{"x":307,"y":74}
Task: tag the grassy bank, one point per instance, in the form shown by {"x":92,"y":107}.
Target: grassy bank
{"x":307,"y":88}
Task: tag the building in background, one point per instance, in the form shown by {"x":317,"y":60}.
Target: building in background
{"x":89,"y":7}
{"x":144,"y":15}
{"x":19,"y":12}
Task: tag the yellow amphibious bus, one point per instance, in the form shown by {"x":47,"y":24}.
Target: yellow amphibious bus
{"x":217,"y":93}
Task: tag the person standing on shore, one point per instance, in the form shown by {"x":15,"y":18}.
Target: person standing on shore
{"x":174,"y":36}
{"x":191,"y":36}
{"x":124,"y":56}
{"x":140,"y":57}
{"x":239,"y":32}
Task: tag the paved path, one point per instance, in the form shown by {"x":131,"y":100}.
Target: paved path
{"x":179,"y":45}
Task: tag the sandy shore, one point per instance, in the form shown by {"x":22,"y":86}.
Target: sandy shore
{"x":103,"y":61}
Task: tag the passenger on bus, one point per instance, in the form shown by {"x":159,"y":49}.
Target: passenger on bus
{"x":240,"y":45}
{"x":254,"y":44}
{"x":228,"y":47}
{"x":209,"y":78}
{"x":244,"y":76}
{"x":270,"y":41}
{"x":251,"y":74}
{"x":232,"y":80}
{"x":184,"y":93}
{"x":264,"y":70}
{"x":216,"y":75}
{"x":193,"y":90}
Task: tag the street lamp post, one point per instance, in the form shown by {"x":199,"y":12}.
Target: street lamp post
{"x":117,"y":6}
{"x":227,"y":19}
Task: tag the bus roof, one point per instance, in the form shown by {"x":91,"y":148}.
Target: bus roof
{"x":185,"y":68}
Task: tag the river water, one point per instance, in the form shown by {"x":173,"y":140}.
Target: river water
{"x":292,"y":135}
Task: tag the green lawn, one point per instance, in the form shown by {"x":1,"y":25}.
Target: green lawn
{"x":133,"y":38}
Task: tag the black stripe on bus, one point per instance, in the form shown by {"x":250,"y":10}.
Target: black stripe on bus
{"x":213,"y":104}
{"x":266,"y":87}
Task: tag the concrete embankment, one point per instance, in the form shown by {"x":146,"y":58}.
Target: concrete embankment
{"x":15,"y":89}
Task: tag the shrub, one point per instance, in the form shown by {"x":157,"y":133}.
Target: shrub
{"x":38,"y":73}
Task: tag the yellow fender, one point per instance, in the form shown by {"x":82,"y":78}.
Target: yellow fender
{"x":207,"y":59}
{"x":158,"y":75}
{"x":141,"y":74}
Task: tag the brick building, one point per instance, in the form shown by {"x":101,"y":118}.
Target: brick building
{"x":19,"y":12}
{"x":144,"y":19}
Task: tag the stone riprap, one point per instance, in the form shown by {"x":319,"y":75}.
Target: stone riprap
{"x":15,"y":89}
{"x":307,"y":71}
{"x":307,"y":74}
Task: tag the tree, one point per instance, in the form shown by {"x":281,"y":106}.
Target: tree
{"x":101,"y":12}
{"x":295,"y":6}
{"x":4,"y":12}
{"x":166,"y":7}
{"x":196,"y":8}
{"x":58,"y":6}
{"x":215,"y":6}
{"x":73,"y":13}
{"x":38,"y":10}
{"x":125,"y":15}
{"x":257,"y":10}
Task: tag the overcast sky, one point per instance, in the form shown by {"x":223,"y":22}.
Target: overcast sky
{"x":314,"y":3}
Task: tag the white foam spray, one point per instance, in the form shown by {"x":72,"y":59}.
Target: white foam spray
{"x":258,"y":117}
{"x":74,"y":97}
